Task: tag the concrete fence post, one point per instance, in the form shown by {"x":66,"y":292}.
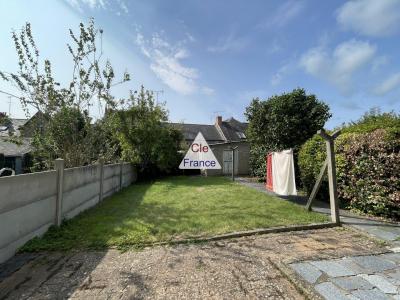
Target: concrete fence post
{"x":101,"y":166}
{"x":120,"y":174}
{"x":59,"y":166}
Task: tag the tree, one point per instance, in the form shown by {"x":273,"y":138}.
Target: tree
{"x":282,"y":122}
{"x":5,"y":122}
{"x":145,"y":138}
{"x":91,"y":82}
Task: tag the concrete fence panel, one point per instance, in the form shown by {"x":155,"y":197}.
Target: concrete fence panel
{"x":31,"y":203}
{"x":27,"y":209}
{"x":81,"y":189}
{"x":111,"y":179}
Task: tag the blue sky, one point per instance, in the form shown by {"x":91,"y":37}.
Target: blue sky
{"x":212,"y":57}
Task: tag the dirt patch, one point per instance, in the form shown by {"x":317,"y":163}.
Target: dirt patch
{"x":230,"y":269}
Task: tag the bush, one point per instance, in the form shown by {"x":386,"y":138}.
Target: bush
{"x":370,"y":179}
{"x":145,"y":139}
{"x":282,"y":122}
{"x":368,"y":165}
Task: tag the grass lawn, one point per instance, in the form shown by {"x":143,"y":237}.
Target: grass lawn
{"x":174,"y":207}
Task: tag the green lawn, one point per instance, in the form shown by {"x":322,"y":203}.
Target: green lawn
{"x":174,"y":207}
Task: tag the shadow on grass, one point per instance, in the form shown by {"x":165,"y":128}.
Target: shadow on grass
{"x":167,"y":209}
{"x":174,"y":207}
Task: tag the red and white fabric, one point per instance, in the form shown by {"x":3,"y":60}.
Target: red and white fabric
{"x":280,"y":173}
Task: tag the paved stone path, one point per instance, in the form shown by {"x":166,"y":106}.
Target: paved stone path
{"x":243,"y":268}
{"x":357,"y":277}
{"x":352,"y":277}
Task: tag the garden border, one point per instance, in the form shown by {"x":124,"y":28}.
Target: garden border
{"x":239,"y":234}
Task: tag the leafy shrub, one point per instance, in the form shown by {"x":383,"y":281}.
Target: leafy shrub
{"x":144,"y":138}
{"x":282,"y":122}
{"x":367,"y":161}
{"x":370,"y":180}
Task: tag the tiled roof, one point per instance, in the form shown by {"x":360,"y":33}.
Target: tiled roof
{"x":9,"y":148}
{"x":231,"y":130}
{"x":16,"y":124}
{"x":234,"y":130}
{"x":190,"y":131}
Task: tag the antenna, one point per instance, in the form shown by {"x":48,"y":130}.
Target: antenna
{"x":9,"y":105}
{"x":157,"y":93}
{"x":215,"y":113}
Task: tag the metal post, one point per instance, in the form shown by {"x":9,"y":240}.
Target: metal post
{"x":59,"y":166}
{"x":101,"y":166}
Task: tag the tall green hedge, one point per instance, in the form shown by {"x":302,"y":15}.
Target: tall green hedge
{"x":282,"y":122}
{"x":368,"y":165}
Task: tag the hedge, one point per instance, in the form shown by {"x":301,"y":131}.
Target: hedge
{"x":368,"y":165}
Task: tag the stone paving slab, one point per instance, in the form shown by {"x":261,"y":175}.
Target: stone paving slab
{"x":352,"y":283}
{"x":342,"y":278}
{"x":374,"y":263}
{"x":330,"y":291}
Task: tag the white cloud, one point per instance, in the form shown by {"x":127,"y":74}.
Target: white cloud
{"x":284,"y":14}
{"x":338,"y":66}
{"x":230,"y":42}
{"x":123,"y":6}
{"x":388,"y":84}
{"x":207,"y":91}
{"x":277,"y":77}
{"x":379,"y":62}
{"x":93,"y":4}
{"x":166,"y":61}
{"x":370,"y":17}
{"x":97,"y":4}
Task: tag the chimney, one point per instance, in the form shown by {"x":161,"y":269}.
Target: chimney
{"x":218,"y":120}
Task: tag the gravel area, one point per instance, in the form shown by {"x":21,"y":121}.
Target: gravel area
{"x":242,"y":268}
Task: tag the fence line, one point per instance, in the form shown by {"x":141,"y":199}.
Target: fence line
{"x":31,"y":203}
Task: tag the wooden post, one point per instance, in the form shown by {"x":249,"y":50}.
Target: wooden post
{"x":59,"y":166}
{"x":317,"y":185}
{"x":101,"y":166}
{"x":330,"y":156}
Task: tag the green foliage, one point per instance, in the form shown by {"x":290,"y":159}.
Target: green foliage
{"x":65,"y":129}
{"x":5,"y":122}
{"x":373,"y":120}
{"x":282,"y":122}
{"x":368,"y":165}
{"x":172,"y":208}
{"x":69,"y":134}
{"x":143,"y":135}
